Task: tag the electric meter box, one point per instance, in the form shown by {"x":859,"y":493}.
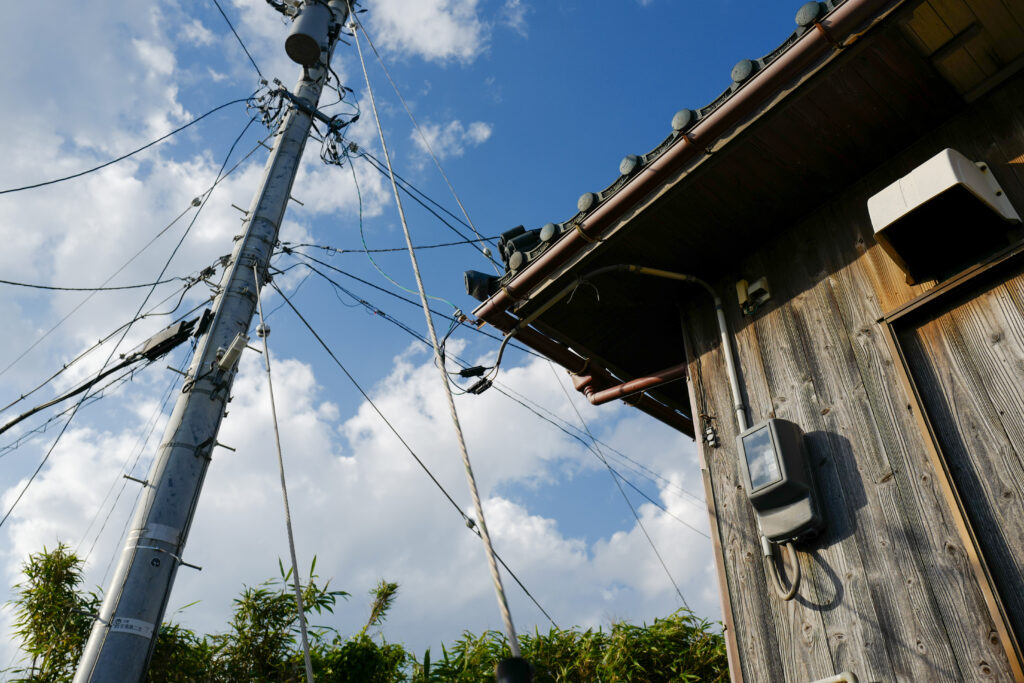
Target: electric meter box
{"x":777,"y":474}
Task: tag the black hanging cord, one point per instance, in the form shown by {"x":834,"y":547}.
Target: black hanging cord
{"x":125,"y":156}
{"x":239,"y":38}
{"x":466,"y":518}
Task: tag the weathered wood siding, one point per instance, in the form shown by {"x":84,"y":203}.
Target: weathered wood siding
{"x":967,"y":359}
{"x":888,"y":592}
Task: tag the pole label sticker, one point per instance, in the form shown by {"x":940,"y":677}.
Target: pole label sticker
{"x":133,"y":626}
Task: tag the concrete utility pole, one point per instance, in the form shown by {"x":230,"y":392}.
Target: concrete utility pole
{"x":122,"y":639}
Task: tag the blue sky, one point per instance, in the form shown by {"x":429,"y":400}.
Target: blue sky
{"x":529,"y":105}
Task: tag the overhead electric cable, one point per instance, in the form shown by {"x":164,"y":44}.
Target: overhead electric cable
{"x":633,"y":465}
{"x":632,"y":509}
{"x":14,"y":445}
{"x":239,"y":39}
{"x":94,"y":396}
{"x":588,"y":443}
{"x":127,"y":329}
{"x":335,"y":250}
{"x":46,"y":457}
{"x":484,"y":333}
{"x":87,"y":289}
{"x":74,"y":392}
{"x":423,"y":137}
{"x":140,"y":444}
{"x":366,"y":249}
{"x":405,"y":187}
{"x":125,"y":156}
{"x":591,"y":445}
{"x":196,"y":202}
{"x":412,"y":190}
{"x":499,"y":590}
{"x":263,"y":331}
{"x":466,"y":518}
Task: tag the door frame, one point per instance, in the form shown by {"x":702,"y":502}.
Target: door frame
{"x":973,"y":279}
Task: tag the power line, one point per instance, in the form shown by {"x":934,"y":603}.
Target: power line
{"x":292,"y":251}
{"x":93,"y":397}
{"x":239,"y":38}
{"x":135,"y":317}
{"x":423,"y":136}
{"x":632,"y":509}
{"x":362,"y":237}
{"x":46,"y":457}
{"x":335,"y":250}
{"x":565,"y":428}
{"x":406,"y":187}
{"x":140,"y":444}
{"x":466,"y":518}
{"x":588,"y":444}
{"x":632,"y":464}
{"x":192,"y":204}
{"x":379,"y":165}
{"x":125,"y":156}
{"x":74,"y":392}
{"x":87,"y":289}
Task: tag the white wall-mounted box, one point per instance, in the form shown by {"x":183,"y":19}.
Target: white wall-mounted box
{"x":941,"y":217}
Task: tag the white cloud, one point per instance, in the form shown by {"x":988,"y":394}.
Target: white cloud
{"x":451,"y":139}
{"x":197,"y":34}
{"x":361,"y":503}
{"x":437,"y":30}
{"x":158,"y":59}
{"x":513,"y":15}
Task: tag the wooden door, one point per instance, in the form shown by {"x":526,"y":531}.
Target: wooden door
{"x":965,"y":353}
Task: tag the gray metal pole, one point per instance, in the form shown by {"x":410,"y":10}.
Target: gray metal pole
{"x":122,"y":638}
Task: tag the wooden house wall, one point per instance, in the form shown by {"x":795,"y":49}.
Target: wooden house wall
{"x":888,"y":591}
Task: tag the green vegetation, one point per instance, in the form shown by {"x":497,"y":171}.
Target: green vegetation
{"x":261,"y":642}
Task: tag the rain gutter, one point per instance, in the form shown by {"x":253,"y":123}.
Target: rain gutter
{"x":837,"y":30}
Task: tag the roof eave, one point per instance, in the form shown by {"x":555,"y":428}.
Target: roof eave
{"x":834,"y":32}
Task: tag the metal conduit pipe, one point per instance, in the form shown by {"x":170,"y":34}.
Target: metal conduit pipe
{"x":741,"y":414}
{"x":849,"y":19}
{"x":576,"y":364}
{"x":635,"y":386}
{"x":723,"y":333}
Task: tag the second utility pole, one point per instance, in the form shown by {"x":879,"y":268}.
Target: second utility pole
{"x":122,"y":638}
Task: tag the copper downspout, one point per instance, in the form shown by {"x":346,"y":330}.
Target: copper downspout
{"x":585,"y":384}
{"x":847,"y":19}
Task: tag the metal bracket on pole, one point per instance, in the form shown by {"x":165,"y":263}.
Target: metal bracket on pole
{"x":333,"y":122}
{"x":135,"y":600}
{"x":144,"y":482}
{"x":168,"y":552}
